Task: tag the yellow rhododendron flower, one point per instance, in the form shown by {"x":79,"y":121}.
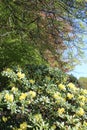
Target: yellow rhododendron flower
{"x":53,"y":127}
{"x":82,"y":104}
{"x":70,"y":96}
{"x":38,"y":117}
{"x":57,"y":95}
{"x":85,"y":123}
{"x":81,"y":98}
{"x":23,"y":96}
{"x":62,"y":87}
{"x":9,"y":97}
{"x":4,"y":118}
{"x":72,"y":86}
{"x":84,"y":91}
{"x":60,"y":100}
{"x":8,"y":69}
{"x":32,"y":81}
{"x":61,"y":111}
{"x":32,"y":94}
{"x":23,"y":126}
{"x":20,"y":75}
{"x":80,"y":112}
{"x":65,"y":79}
{"x":14,"y":89}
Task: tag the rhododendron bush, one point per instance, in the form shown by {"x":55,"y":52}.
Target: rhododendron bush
{"x":41,"y":101}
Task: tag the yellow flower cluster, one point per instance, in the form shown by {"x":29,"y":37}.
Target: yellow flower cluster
{"x":20,"y":75}
{"x":58,"y":98}
{"x":53,"y":127}
{"x":82,"y":98}
{"x":57,"y":95}
{"x":65,"y":79}
{"x":70,"y":96}
{"x":32,"y":81}
{"x":14,"y":89}
{"x":32,"y":94}
{"x":8,"y":69}
{"x":81,"y":104}
{"x":38,"y":117}
{"x":85,"y":123}
{"x":72,"y":86}
{"x":4,"y":119}
{"x":61,"y":111}
{"x":9,"y":97}
{"x":23,"y":96}
{"x":23,"y":126}
{"x":84,"y":91}
{"x":62,"y":87}
{"x":80,"y":112}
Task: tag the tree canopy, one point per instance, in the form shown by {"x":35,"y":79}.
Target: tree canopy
{"x":47,"y":27}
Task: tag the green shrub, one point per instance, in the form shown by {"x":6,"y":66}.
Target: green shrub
{"x":44,"y":74}
{"x":27,"y":104}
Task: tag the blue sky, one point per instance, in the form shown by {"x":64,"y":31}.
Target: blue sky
{"x":81,"y":70}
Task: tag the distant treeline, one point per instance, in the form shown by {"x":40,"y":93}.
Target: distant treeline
{"x":83,"y":82}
